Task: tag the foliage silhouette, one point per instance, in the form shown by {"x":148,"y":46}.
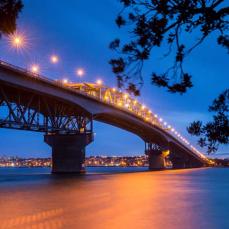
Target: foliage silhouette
{"x":160,"y":23}
{"x":9,"y":10}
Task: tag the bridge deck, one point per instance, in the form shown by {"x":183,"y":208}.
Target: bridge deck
{"x":101,"y":101}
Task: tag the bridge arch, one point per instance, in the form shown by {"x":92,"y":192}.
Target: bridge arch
{"x":146,"y":133}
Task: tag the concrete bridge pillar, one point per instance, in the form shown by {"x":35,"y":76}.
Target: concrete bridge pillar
{"x":185,"y":163}
{"x":156,"y":156}
{"x":193,"y":163}
{"x":156,"y":160}
{"x":68,"y":152}
{"x":178,"y":163}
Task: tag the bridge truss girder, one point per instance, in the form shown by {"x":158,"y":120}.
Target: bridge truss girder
{"x":149,"y":147}
{"x":30,"y":111}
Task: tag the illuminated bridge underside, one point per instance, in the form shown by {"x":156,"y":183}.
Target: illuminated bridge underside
{"x":30,"y":102}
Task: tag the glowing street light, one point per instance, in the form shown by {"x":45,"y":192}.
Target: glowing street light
{"x":54,"y":59}
{"x":65,"y":81}
{"x":126,"y":95}
{"x":35,"y":68}
{"x":17,"y":40}
{"x":80,"y":72}
{"x":99,"y":82}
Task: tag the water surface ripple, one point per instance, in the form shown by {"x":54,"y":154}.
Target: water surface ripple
{"x":113,"y":198}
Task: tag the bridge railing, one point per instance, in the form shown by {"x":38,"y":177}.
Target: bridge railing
{"x":125,"y":102}
{"x":113,"y":97}
{"x":118,"y":99}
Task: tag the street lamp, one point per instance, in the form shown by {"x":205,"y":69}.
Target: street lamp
{"x":99,"y":82}
{"x":17,"y":40}
{"x":54,"y":59}
{"x":35,"y":68}
{"x":80,"y":72}
{"x":65,"y":81}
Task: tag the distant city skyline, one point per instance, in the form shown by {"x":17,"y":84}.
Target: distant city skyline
{"x":136,"y":161}
{"x":80,"y":39}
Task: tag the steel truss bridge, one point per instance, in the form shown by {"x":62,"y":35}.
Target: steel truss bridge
{"x":65,"y":113}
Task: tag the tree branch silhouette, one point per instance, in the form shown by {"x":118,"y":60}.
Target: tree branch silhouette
{"x":9,"y":11}
{"x":163,"y":23}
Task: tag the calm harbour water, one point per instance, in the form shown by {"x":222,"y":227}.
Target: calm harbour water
{"x":115,"y":198}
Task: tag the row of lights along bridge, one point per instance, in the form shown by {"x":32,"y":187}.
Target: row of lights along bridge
{"x":18,"y":41}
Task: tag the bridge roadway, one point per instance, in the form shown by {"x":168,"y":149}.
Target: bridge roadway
{"x":65,"y":112}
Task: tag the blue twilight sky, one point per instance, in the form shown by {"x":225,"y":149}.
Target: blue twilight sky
{"x":79,"y":32}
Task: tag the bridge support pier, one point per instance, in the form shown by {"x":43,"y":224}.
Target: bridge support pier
{"x":156,"y":157}
{"x":178,"y":163}
{"x":68,"y":152}
{"x":182,"y":163}
{"x":194,"y":164}
{"x":156,"y":161}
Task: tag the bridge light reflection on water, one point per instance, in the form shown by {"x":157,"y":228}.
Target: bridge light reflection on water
{"x":173,"y":199}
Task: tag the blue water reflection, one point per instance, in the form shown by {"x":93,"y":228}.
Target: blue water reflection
{"x":115,"y":198}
